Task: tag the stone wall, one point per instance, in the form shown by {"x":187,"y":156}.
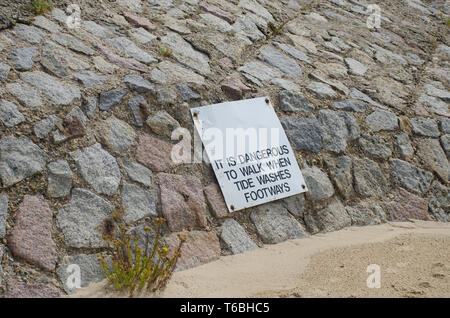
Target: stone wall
{"x":86,"y":116}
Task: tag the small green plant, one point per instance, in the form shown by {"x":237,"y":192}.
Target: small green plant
{"x":165,"y":51}
{"x":131,"y":268}
{"x":40,"y":6}
{"x":274,"y":28}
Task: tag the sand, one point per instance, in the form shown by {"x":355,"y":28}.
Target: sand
{"x":413,"y":257}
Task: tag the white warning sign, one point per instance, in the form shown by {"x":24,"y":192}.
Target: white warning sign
{"x":249,"y":152}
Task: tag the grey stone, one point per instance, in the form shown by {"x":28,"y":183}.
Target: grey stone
{"x":439,"y":202}
{"x":98,"y":168}
{"x":89,"y":106}
{"x":274,"y":223}
{"x":434,"y":104}
{"x":375,"y":147}
{"x":332,"y":218}
{"x":134,"y":103}
{"x":45,"y":126}
{"x":162,"y":123}
{"x":404,"y":145}
{"x":187,"y":93}
{"x":2,"y":251}
{"x":381,"y":120}
{"x":425,"y":127}
{"x":292,"y":51}
{"x":434,"y":158}
{"x":295,"y":204}
{"x":137,"y":202}
{"x":22,"y":58}
{"x":303,"y":133}
{"x":130,"y":49}
{"x":356,"y":94}
{"x":247,"y":27}
{"x":20,"y":158}
{"x":319,"y":186}
{"x":171,"y":73}
{"x":235,"y":237}
{"x":138,"y":172}
{"x":445,"y":143}
{"x":410,"y":177}
{"x":321,"y":90}
{"x":368,"y":179}
{"x":58,"y":92}
{"x":337,"y":129}
{"x":96,"y":29}
{"x":90,"y":79}
{"x":4,"y":71}
{"x":4,"y":198}
{"x":25,"y":94}
{"x":9,"y":114}
{"x":111,"y":98}
{"x":116,"y":134}
{"x":77,"y":112}
{"x":351,"y":105}
{"x":138,"y":83}
{"x":59,"y":179}
{"x":294,"y":102}
{"x":46,"y":24}
{"x":436,"y":92}
{"x":281,"y":61}
{"x":365,"y":213}
{"x":91,"y":270}
{"x":444,"y":125}
{"x":72,"y":43}
{"x":29,"y":33}
{"x":340,"y":173}
{"x":260,"y":71}
{"x":185,"y":54}
{"x":141,"y":35}
{"x":81,"y":220}
{"x":356,"y":67}
{"x":285,"y":84}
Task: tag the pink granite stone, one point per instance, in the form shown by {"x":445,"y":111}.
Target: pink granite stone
{"x":406,"y":206}
{"x":183,"y":202}
{"x":234,"y":88}
{"x":16,"y":289}
{"x":216,"y":201}
{"x":126,"y":62}
{"x":225,"y":63}
{"x":214,"y":10}
{"x":154,"y":153}
{"x":139,"y":21}
{"x":199,"y":248}
{"x":31,"y":238}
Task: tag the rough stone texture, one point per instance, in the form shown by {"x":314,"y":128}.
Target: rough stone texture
{"x":406,"y":206}
{"x":375,"y":147}
{"x":410,"y":177}
{"x":200,"y":248}
{"x":234,"y":88}
{"x":281,"y":61}
{"x":445,"y":143}
{"x":16,"y":289}
{"x":303,"y":133}
{"x":319,"y":186}
{"x":22,"y":58}
{"x":425,"y":127}
{"x":404,"y":145}
{"x":294,"y":102}
{"x":4,"y":71}
{"x":111,"y":98}
{"x":334,"y":217}
{"x":235,"y":237}
{"x":215,"y":201}
{"x":138,"y":172}
{"x":90,"y":269}
{"x":4,"y":199}
{"x":162,"y":123}
{"x":131,"y":50}
{"x":138,"y":83}
{"x":337,"y":129}
{"x":430,"y":151}
{"x":295,"y":205}
{"x":116,"y":134}
{"x":20,"y":158}
{"x":81,"y":220}
{"x":90,"y":79}
{"x":351,"y":105}
{"x":382,"y":120}
{"x":340,"y":173}
{"x":58,"y":92}
{"x":10,"y":116}
{"x":59,"y":179}
{"x":368,"y":178}
{"x":183,"y":202}
{"x":98,"y":168}
{"x":154,"y":153}
{"x":321,"y":90}
{"x":31,"y":238}
{"x":439,"y":202}
{"x":25,"y":95}
{"x":137,"y":202}
{"x":274,"y":223}
{"x":366,"y":213}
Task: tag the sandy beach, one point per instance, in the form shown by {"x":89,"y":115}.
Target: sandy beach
{"x":413,"y":257}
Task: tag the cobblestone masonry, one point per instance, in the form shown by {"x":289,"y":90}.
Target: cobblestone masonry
{"x":86,"y":114}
